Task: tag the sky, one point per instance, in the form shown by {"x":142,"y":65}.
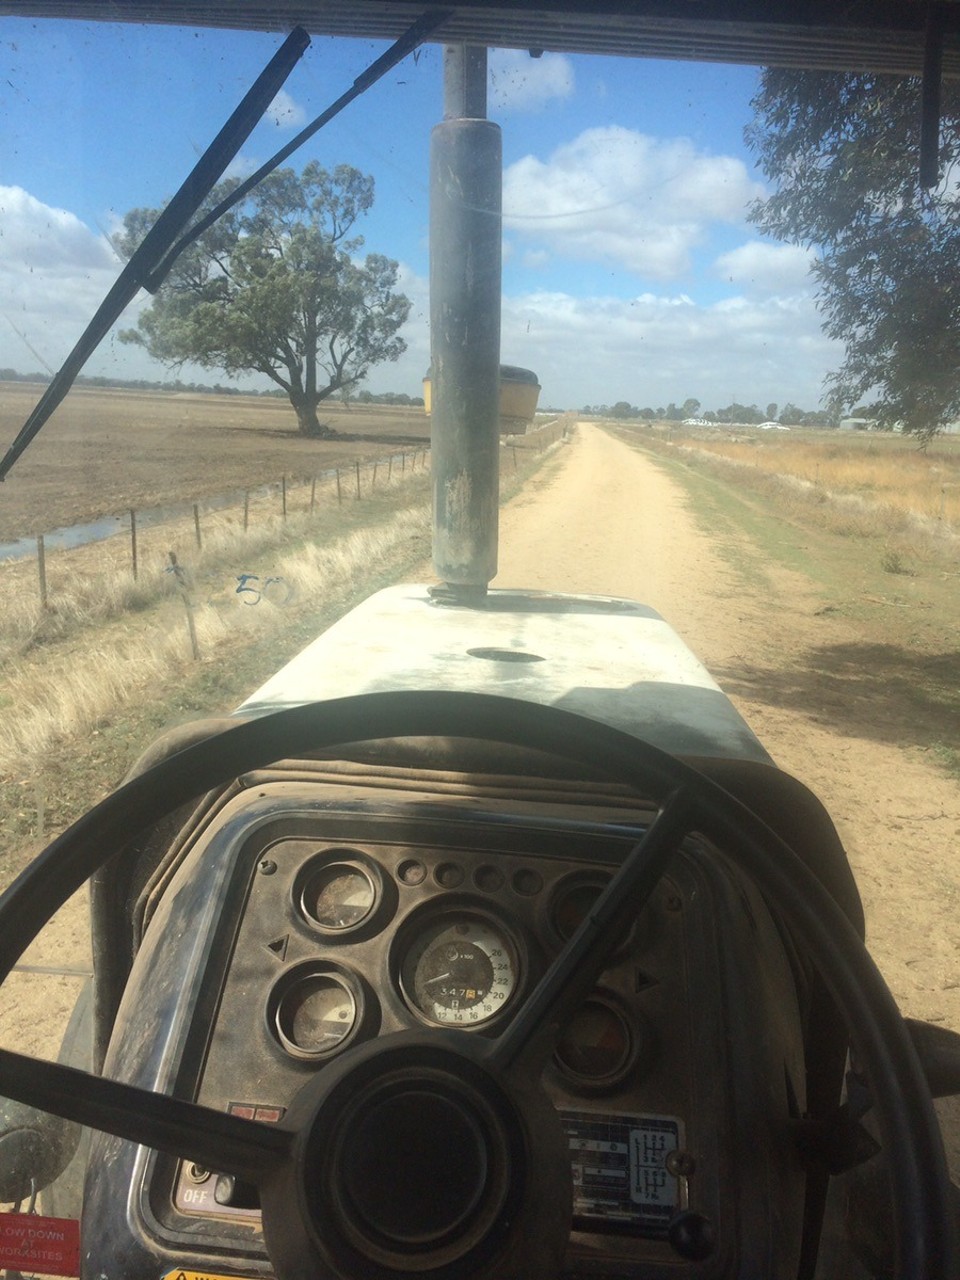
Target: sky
{"x":630,"y":271}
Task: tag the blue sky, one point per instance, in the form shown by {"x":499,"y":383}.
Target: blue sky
{"x":630,"y":271}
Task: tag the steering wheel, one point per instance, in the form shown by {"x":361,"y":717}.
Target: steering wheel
{"x":348,"y":1179}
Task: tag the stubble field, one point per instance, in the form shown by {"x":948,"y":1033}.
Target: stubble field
{"x":104,"y":452}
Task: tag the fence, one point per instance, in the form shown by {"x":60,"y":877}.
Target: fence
{"x":350,"y":482}
{"x":127,"y":562}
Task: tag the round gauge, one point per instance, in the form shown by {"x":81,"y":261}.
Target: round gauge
{"x":338,"y":895}
{"x":460,"y":970}
{"x":596,"y":1047}
{"x":341,"y":891}
{"x":312,"y":1012}
{"x":572,"y":901}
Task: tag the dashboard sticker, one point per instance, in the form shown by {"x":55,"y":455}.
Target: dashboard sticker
{"x":620,"y":1175}
{"x":34,"y":1243}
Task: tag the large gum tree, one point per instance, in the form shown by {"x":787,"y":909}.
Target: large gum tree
{"x":276,"y":287}
{"x":842,"y":152}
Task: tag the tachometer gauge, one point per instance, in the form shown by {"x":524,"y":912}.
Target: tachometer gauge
{"x":460,"y":970}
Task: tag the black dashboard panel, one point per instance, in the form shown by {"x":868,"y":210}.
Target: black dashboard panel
{"x":306,"y":923}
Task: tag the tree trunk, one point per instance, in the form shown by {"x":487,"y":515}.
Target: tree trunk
{"x":308,"y":424}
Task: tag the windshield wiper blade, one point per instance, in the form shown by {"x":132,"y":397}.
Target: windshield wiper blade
{"x":410,"y":40}
{"x":158,"y":240}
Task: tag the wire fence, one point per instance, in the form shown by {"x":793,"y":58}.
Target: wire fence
{"x":220,"y":551}
{"x":288,"y":496}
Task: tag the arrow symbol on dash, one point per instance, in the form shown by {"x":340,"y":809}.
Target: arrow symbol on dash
{"x":279,"y":947}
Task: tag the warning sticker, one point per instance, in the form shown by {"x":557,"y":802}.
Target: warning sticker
{"x":31,"y":1242}
{"x":198,"y":1275}
{"x":620,"y":1177}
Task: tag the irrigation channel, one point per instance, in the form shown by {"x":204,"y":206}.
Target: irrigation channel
{"x":99,"y":530}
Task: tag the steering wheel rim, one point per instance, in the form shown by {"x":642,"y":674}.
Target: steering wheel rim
{"x":905,"y":1113}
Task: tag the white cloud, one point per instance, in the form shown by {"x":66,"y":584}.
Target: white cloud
{"x":54,"y":272}
{"x":759,"y":267}
{"x":534,"y":259}
{"x":655,"y":348}
{"x":284,"y":112}
{"x":649,"y":349}
{"x":616,"y":195}
{"x":521,"y":83}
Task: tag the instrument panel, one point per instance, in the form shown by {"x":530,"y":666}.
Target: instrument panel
{"x":338,"y":929}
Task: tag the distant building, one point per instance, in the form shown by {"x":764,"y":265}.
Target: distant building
{"x":857,"y":424}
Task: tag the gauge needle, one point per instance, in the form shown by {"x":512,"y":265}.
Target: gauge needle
{"x":439,"y":978}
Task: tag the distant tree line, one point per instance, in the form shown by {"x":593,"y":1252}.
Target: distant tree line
{"x":203,"y":388}
{"x":385,"y":397}
{"x":789,"y":416}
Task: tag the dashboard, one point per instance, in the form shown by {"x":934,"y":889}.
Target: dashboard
{"x":302,"y":922}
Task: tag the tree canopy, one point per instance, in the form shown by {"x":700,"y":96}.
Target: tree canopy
{"x":275,"y":287}
{"x":843,"y":153}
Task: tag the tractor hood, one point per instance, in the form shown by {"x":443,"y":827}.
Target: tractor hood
{"x":610,"y":659}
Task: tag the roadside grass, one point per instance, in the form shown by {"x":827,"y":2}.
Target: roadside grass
{"x":92,"y":585}
{"x":114,"y":684}
{"x":867,"y":486}
{"x":904,"y":538}
{"x":901,"y":597}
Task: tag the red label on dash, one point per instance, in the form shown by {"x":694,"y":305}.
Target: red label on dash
{"x":31,"y":1242}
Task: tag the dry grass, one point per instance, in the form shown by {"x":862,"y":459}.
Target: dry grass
{"x":89,"y":586}
{"x":889,"y":471}
{"x":106,"y":641}
{"x":882,"y":489}
{"x":57,"y":693}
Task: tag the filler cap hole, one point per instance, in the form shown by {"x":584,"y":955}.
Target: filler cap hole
{"x":505,"y":655}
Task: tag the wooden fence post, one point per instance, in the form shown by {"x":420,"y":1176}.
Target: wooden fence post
{"x":283,"y":495}
{"x":358,"y":479}
{"x":183,"y":586}
{"x":246,"y":510}
{"x":42,"y":568}
{"x":313,"y":494}
{"x":339,"y":491}
{"x":133,"y":541}
{"x":196,"y":525}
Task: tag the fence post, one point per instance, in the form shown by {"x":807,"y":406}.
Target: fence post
{"x":183,"y":586}
{"x":389,"y":468}
{"x":283,"y":495}
{"x":313,"y":494}
{"x":133,"y":541}
{"x":246,"y":510}
{"x":358,"y":479}
{"x":42,"y":568}
{"x":196,"y":525}
{"x":403,"y":462}
{"x":373,"y":482}
{"x":339,"y":492}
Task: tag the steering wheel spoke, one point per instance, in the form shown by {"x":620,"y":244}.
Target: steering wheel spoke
{"x":531,"y":1036}
{"x":246,"y":1148}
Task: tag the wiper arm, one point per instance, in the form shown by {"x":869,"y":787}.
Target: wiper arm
{"x":204,"y":176}
{"x":409,"y":41}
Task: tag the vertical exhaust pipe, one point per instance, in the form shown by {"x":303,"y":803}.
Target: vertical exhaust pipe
{"x":465,"y":227}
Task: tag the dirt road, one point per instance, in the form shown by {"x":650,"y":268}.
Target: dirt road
{"x":605,"y":519}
